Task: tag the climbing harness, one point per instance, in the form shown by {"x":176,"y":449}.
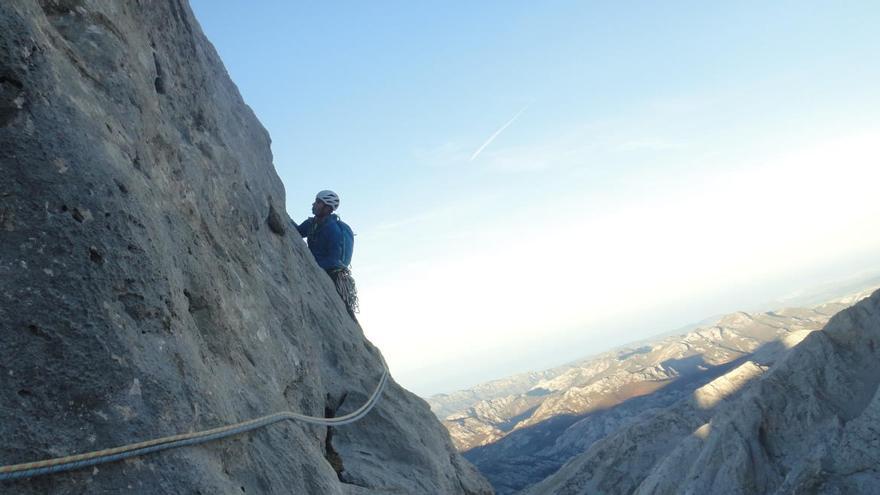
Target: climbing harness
{"x":79,"y":461}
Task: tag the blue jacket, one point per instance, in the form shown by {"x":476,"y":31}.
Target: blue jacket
{"x":325,"y":241}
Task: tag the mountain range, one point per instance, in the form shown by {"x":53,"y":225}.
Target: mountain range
{"x":521,"y":430}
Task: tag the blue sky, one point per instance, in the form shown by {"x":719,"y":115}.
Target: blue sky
{"x":661,"y":161}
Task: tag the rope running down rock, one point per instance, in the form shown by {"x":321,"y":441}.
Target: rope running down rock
{"x":79,"y":461}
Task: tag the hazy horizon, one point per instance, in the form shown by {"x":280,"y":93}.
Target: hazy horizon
{"x":530,"y":182}
{"x":804,"y":297}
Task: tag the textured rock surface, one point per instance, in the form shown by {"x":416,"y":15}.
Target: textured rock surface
{"x":808,"y":425}
{"x":147,"y":286}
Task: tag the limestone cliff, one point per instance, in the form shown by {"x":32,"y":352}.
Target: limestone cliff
{"x":148,"y":286}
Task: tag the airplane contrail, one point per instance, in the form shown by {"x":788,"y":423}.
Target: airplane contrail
{"x":499,"y":131}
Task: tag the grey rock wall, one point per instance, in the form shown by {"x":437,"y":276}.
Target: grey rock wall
{"x":148,"y":286}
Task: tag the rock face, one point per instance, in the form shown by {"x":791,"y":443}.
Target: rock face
{"x":147,"y":284}
{"x":520,"y":439}
{"x":809,"y":424}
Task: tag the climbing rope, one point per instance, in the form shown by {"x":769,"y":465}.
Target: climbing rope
{"x":346,"y":288}
{"x":79,"y":461}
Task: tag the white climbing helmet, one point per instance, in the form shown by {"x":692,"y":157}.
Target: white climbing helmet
{"x":329,"y":198}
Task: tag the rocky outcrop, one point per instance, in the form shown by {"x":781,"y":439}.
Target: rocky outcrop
{"x":806,"y":425}
{"x":147,"y":284}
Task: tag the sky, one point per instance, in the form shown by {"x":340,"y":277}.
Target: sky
{"x":534,"y":182}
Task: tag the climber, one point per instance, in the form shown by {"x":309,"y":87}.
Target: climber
{"x":331,"y":241}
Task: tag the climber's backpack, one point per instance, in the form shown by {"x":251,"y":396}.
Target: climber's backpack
{"x":347,"y":242}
